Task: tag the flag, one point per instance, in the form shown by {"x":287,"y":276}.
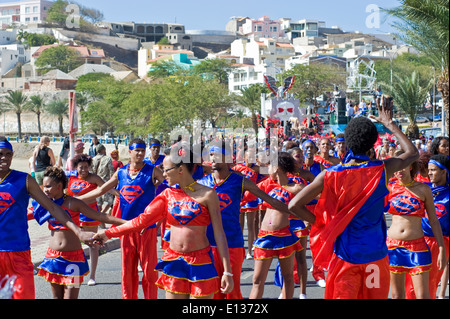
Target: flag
{"x":73,"y":114}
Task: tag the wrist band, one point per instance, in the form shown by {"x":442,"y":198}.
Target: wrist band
{"x":229,"y":274}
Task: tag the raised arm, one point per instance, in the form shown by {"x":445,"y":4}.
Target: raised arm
{"x":99,"y":191}
{"x":385,"y":106}
{"x":80,"y":206}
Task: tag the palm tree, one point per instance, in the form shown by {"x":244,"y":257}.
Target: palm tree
{"x":17,"y":101}
{"x":409,"y":96}
{"x":425,"y":26}
{"x":59,"y":108}
{"x":251,"y":98}
{"x":36,"y":104}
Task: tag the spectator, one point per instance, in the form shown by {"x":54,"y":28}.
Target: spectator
{"x":93,"y":147}
{"x":43,"y":157}
{"x":115,"y":160}
{"x":103,"y":167}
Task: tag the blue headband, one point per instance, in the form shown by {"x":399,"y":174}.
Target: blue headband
{"x":340,"y":139}
{"x":308,"y":141}
{"x":136,"y":145}
{"x":432,"y":161}
{"x":349,"y":156}
{"x":217,"y":149}
{"x":6,"y":144}
{"x":154,"y":144}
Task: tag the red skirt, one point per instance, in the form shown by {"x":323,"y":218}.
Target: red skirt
{"x":190,"y":273}
{"x":281,"y":243}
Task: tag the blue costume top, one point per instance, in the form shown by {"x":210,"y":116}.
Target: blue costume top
{"x":159,"y":161}
{"x":441,"y":204}
{"x":14,"y":199}
{"x":230,"y":193}
{"x":135,"y":193}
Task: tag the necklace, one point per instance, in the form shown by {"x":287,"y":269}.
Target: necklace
{"x":409,"y":184}
{"x":190,"y":186}
{"x":5,"y":176}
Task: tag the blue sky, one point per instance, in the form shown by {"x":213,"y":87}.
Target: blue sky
{"x":350,"y":15}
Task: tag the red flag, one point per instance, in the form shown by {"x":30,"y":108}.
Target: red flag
{"x":73,"y":114}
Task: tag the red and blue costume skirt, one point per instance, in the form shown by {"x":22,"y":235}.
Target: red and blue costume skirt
{"x":89,"y":222}
{"x":191,"y":273}
{"x":298,"y":227}
{"x":64,"y":267}
{"x":251,"y":206}
{"x":408,"y":256}
{"x":281,"y":243}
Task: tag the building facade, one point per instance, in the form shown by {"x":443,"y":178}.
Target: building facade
{"x":24,"y":12}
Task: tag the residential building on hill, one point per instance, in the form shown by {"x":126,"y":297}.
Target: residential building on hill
{"x":24,"y":12}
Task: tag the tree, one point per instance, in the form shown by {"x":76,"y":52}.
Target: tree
{"x":59,"y":57}
{"x":36,"y":104}
{"x":164,"y":69}
{"x":17,"y":101}
{"x":35,"y":39}
{"x":409,"y":96}
{"x":60,"y":109}
{"x":251,"y":98}
{"x":424,"y":25}
{"x":57,"y":13}
{"x":315,"y":79}
{"x":218,"y":69}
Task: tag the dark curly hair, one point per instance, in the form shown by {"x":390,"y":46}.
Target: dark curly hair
{"x":57,"y":175}
{"x":360,"y":135}
{"x":286,"y":162}
{"x":80,"y":158}
{"x":434,"y":149}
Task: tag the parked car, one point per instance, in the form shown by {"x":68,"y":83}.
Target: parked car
{"x":422,"y":119}
{"x":89,"y":136}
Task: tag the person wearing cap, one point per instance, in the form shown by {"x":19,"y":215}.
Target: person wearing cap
{"x":136,"y":183}
{"x":15,"y":189}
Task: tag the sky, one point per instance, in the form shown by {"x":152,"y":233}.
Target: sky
{"x":349,"y":15}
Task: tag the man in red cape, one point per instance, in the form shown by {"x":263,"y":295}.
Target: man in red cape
{"x":348,"y":234}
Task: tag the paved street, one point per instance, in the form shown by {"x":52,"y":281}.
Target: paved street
{"x":108,"y":281}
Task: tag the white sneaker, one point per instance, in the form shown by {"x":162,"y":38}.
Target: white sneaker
{"x":91,"y":282}
{"x":321,"y":283}
{"x":302,"y":296}
{"x":249,"y":256}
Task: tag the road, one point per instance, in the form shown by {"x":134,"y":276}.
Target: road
{"x":108,"y":281}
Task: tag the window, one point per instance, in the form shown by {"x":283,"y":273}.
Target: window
{"x":35,"y":18}
{"x":27,"y":9}
{"x":35,"y":9}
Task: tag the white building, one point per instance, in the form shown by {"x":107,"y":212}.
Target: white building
{"x":257,"y":57}
{"x":10,"y":55}
{"x":24,"y":12}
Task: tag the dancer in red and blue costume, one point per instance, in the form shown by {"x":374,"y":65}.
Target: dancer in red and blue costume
{"x":310,"y":164}
{"x":15,"y":191}
{"x":64,"y":265}
{"x":275,"y":238}
{"x":249,"y":203}
{"x":324,"y":157}
{"x":438,"y":171}
{"x":230,"y":187}
{"x":187,"y":265}
{"x":348,"y":234}
{"x":136,"y":183}
{"x":408,"y":251}
{"x":155,"y":158}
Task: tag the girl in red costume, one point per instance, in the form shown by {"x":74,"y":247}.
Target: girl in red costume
{"x":81,"y":182}
{"x":64,"y":265}
{"x":187,"y":266}
{"x":275,"y":238}
{"x":408,"y":251}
